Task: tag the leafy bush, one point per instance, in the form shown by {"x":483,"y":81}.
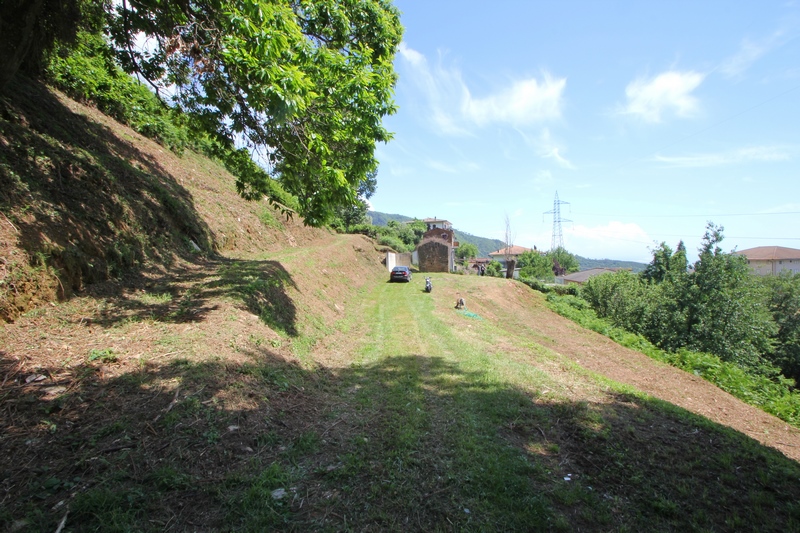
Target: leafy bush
{"x":88,"y":73}
{"x":546,"y":288}
{"x":495,"y":269}
{"x":718,"y":308}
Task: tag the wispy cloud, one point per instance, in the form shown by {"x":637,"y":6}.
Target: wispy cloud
{"x":442,"y":167}
{"x":448,"y":168}
{"x":547,"y":148}
{"x":454,"y":110}
{"x":550,"y":149}
{"x":765,"y":154}
{"x":669,"y":92}
{"x":751,"y":51}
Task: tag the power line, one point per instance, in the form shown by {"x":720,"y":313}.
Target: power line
{"x":694,"y":216}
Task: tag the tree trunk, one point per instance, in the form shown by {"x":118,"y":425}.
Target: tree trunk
{"x":18,"y":33}
{"x":510,"y":266}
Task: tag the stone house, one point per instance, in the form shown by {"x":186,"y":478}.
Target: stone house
{"x":436,"y":251}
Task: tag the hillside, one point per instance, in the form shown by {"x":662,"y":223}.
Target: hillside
{"x":274,"y":381}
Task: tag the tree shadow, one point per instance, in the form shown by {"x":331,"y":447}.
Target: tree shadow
{"x":411,"y":442}
{"x":186,"y":294}
{"x":86,"y":201}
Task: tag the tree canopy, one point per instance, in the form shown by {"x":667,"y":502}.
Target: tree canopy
{"x":302,"y":85}
{"x":467,"y":251}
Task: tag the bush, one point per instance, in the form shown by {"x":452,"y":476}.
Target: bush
{"x":88,"y":73}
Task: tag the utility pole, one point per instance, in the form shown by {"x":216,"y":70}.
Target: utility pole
{"x":558,"y":235}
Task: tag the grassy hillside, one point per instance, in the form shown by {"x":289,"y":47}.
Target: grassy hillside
{"x":84,"y":201}
{"x":273,"y":380}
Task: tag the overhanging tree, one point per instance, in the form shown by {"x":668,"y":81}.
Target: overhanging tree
{"x":302,"y":84}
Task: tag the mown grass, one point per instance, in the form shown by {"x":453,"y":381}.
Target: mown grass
{"x":457,"y":436}
{"x":434,"y":426}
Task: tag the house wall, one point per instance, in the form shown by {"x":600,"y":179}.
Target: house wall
{"x":394,"y":259}
{"x":774,"y":267}
{"x":439,"y":234}
{"x":787,"y":265}
{"x":434,"y":256}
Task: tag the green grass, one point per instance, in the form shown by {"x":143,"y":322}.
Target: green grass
{"x":437,"y":422}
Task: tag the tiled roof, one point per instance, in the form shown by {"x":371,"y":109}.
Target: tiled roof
{"x":512,"y":250}
{"x":769,"y":253}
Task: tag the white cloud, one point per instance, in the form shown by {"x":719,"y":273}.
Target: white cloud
{"x":458,"y":168}
{"x":751,"y":51}
{"x":454,"y":110}
{"x":547,"y":148}
{"x":670,"y":91}
{"x":525,"y":102}
{"x":442,"y":167}
{"x":766,"y":154}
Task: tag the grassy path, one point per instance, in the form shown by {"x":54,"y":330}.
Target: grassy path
{"x":472,"y":423}
{"x":434,"y":405}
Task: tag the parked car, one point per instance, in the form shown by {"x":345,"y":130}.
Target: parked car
{"x":400,"y":274}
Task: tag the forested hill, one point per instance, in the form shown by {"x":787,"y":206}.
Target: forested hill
{"x":486,"y":246}
{"x":586,"y":264}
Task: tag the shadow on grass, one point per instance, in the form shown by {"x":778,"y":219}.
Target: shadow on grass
{"x":411,"y":443}
{"x":185,"y":295}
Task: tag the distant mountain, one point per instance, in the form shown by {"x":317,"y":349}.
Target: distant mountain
{"x":486,"y":246}
{"x":586,"y":264}
{"x":382,"y":219}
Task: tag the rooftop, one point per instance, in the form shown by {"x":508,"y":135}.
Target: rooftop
{"x":511,"y":250}
{"x":769,"y":253}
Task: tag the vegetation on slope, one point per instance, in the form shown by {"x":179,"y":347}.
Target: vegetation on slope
{"x":304,"y":85}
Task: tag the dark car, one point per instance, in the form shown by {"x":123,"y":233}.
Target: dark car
{"x":400,"y":274}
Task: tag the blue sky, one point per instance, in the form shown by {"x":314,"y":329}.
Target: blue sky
{"x":649,"y":118}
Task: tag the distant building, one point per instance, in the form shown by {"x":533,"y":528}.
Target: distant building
{"x":772,"y":260}
{"x":436,"y":252}
{"x":511,"y":253}
{"x":437,"y":223}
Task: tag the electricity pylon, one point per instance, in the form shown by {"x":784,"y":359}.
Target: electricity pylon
{"x":558,"y":235}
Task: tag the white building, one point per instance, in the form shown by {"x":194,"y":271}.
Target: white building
{"x":772,"y":260}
